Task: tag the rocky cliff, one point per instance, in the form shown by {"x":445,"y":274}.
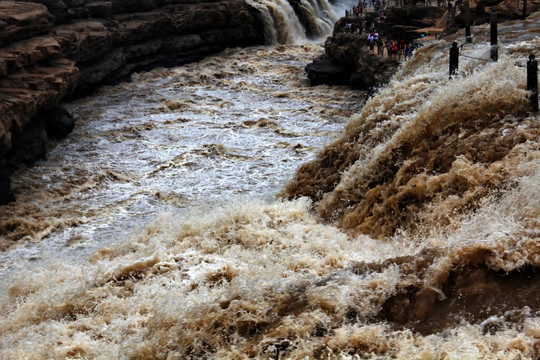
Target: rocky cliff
{"x":347,"y":60}
{"x":50,"y":49}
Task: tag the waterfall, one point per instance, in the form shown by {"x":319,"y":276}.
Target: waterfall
{"x":280,"y":22}
{"x":298,"y":20}
{"x":321,"y":16}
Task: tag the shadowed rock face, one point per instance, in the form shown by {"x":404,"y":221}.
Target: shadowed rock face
{"x":324,"y":70}
{"x":19,"y":21}
{"x":50,"y":49}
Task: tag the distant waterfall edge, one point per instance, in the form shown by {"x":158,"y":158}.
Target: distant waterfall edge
{"x":297,"y":21}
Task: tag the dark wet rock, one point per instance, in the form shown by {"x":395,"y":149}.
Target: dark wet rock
{"x":29,"y":145}
{"x":417,"y":16}
{"x":26,"y":91}
{"x":83,"y":40}
{"x":58,"y":122}
{"x":28,"y":52}
{"x":127,"y":6}
{"x":324,"y":70}
{"x":93,"y":73}
{"x":348,"y":61}
{"x":357,"y":82}
{"x":100,"y":9}
{"x":6,"y":194}
{"x":370,"y":69}
{"x":345,"y":48}
{"x":174,"y":44}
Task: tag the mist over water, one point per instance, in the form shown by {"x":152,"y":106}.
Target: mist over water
{"x":154,"y":232}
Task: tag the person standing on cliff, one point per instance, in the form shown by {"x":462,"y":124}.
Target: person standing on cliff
{"x":407,"y":51}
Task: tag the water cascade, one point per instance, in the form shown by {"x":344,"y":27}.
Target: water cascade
{"x":156,"y":230}
{"x":291,"y":22}
{"x":321,"y":14}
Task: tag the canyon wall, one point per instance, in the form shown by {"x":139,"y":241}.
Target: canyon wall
{"x":51,"y":49}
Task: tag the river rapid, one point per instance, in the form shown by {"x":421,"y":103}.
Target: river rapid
{"x":227,"y":210}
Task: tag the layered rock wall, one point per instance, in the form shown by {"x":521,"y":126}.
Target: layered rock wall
{"x":50,"y":49}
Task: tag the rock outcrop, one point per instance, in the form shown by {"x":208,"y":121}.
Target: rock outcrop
{"x":52,"y":49}
{"x":349,"y":61}
{"x":370,"y":69}
{"x":325,"y":70}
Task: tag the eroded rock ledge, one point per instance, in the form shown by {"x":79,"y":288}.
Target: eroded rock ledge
{"x":51,"y":49}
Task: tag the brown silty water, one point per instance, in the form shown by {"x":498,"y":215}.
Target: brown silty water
{"x":413,"y":235}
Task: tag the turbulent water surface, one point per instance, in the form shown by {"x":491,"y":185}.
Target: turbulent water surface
{"x":154,"y":231}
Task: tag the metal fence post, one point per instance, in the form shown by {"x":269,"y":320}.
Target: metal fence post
{"x":467,"y":22}
{"x":454,"y":59}
{"x":532,"y":82}
{"x":494,"y":48}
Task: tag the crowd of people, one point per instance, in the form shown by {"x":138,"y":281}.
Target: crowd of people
{"x":385,"y":45}
{"x":395,"y":49}
{"x":380,"y":5}
{"x":398,"y":50}
{"x":377,"y":5}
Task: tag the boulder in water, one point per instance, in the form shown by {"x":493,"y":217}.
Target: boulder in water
{"x":324,"y":70}
{"x":29,"y":145}
{"x":58,"y":122}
